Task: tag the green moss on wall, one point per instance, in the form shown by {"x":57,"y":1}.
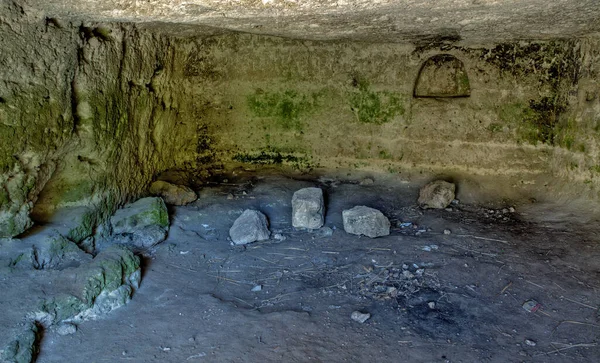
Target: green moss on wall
{"x":374,"y":107}
{"x":271,"y":156}
{"x":552,"y":62}
{"x":536,"y":122}
{"x":287,"y":108}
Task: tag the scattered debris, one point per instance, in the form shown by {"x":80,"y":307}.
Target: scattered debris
{"x":530,"y":342}
{"x":257,"y":288}
{"x":173,"y":194}
{"x":308,"y":208}
{"x":385,"y":283}
{"x":360,"y":317}
{"x":250,"y":227}
{"x":531,"y":305}
{"x":430,"y":248}
{"x":437,"y":195}
{"x":362,"y":220}
{"x":279,"y":237}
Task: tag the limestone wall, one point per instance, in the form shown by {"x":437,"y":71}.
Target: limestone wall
{"x":91,"y":113}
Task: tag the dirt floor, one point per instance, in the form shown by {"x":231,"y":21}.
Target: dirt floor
{"x":432,"y":296}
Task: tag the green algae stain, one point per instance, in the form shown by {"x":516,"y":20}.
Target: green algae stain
{"x":536,"y":122}
{"x":287,"y":108}
{"x":374,"y":107}
{"x":273,"y":156}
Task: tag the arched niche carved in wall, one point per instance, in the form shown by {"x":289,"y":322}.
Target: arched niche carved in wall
{"x":442,"y":75}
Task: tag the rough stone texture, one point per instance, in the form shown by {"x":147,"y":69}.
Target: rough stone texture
{"x":91,"y":118}
{"x":173,"y":194}
{"x":437,"y":195}
{"x":249,"y":227}
{"x":86,"y":122}
{"x":360,"y":317}
{"x":308,"y":208}
{"x":66,"y":329}
{"x":384,"y":20}
{"x":50,"y":299}
{"x":24,"y":348}
{"x":97,"y":288}
{"x":143,"y":223}
{"x":362,"y":220}
{"x":57,"y":252}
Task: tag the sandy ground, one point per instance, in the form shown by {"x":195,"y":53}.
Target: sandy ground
{"x":433,"y":297}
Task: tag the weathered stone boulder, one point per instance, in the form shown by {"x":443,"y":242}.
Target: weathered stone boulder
{"x":141,"y":224}
{"x":250,"y":227}
{"x":172,"y":193}
{"x":436,"y":195}
{"x":104,"y":284}
{"x":308,"y":208}
{"x":362,"y":220}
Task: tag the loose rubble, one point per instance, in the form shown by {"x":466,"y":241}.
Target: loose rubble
{"x":436,"y":195}
{"x":173,"y":194}
{"x":360,"y":317}
{"x":308,"y":208}
{"x":362,"y":220}
{"x":250,"y":227}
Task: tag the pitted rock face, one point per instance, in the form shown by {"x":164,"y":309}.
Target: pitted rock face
{"x":308,"y":208}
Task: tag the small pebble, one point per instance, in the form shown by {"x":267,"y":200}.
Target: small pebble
{"x":447,"y":231}
{"x":360,"y":317}
{"x":431,"y":305}
{"x":532,"y":306}
{"x":257,"y":288}
{"x":449,"y":209}
{"x":230,"y":196}
{"x":530,"y":342}
{"x":511,"y":209}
